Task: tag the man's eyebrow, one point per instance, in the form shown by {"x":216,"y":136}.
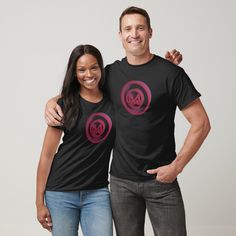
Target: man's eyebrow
{"x":127,"y":26}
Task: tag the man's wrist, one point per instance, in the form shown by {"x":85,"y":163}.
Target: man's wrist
{"x":178,"y":165}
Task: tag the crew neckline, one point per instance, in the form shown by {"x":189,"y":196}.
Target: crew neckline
{"x":140,"y":65}
{"x":92,"y":103}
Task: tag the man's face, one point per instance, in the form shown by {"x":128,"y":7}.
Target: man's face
{"x":135,"y":35}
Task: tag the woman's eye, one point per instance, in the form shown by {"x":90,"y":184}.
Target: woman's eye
{"x":95,"y":68}
{"x":81,"y":70}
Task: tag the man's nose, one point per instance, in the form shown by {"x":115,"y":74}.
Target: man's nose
{"x":134,"y":33}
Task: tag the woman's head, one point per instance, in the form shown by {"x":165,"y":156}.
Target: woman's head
{"x":88,"y":73}
{"x":85,"y":62}
{"x":84,"y":71}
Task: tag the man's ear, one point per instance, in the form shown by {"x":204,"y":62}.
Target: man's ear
{"x":150,"y":32}
{"x":119,"y":35}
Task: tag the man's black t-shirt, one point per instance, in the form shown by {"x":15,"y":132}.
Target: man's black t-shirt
{"x":145,"y":99}
{"x":82,"y":159}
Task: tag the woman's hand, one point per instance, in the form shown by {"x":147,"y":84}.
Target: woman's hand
{"x":174,"y":56}
{"x":44,"y":217}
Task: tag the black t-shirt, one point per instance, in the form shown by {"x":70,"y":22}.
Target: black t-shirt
{"x":145,"y":99}
{"x":82,"y":159}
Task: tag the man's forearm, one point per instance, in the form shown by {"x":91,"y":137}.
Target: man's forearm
{"x":192,"y":143}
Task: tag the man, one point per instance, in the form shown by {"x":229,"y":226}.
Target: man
{"x":145,"y":90}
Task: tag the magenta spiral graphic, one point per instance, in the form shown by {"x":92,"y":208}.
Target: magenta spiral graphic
{"x":136,"y":97}
{"x":98,"y":127}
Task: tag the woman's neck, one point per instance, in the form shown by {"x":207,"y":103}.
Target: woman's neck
{"x":95,"y":95}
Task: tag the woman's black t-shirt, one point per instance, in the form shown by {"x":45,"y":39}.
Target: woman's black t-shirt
{"x":82,"y":159}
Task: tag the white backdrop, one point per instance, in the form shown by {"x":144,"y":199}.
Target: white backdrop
{"x":36,"y":38}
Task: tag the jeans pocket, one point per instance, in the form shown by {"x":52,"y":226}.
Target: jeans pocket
{"x":164,"y":186}
{"x":161,"y":183}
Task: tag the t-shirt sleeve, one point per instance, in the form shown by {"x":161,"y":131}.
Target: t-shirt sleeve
{"x":105,"y":84}
{"x":183,"y":91}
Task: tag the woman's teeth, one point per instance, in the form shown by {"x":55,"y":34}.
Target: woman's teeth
{"x":89,"y":81}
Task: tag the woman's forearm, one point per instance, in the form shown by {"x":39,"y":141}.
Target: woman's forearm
{"x":51,"y":142}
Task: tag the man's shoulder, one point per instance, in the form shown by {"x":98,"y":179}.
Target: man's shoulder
{"x":168,"y":68}
{"x":166,"y":64}
{"x":114,"y":65}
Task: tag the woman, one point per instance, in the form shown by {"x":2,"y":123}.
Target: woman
{"x":72,"y":179}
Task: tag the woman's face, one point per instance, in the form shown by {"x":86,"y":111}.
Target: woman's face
{"x":88,"y":72}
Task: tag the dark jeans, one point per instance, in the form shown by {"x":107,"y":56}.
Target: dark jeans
{"x":130,"y":199}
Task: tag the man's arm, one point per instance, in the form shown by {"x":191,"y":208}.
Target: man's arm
{"x":200,"y":127}
{"x":53,"y":113}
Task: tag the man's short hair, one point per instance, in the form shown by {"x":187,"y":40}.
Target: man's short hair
{"x":136,"y":10}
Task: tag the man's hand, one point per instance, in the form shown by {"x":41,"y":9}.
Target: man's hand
{"x":165,"y":174}
{"x":53,"y":113}
{"x":174,"y":56}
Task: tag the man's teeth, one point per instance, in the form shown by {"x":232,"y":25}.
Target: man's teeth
{"x":136,"y":41}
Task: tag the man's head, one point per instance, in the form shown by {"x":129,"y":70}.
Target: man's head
{"x":136,"y":10}
{"x":135,"y":31}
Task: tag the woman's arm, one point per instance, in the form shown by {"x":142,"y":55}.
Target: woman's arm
{"x":50,"y":145}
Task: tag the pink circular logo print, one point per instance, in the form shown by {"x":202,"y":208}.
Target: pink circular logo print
{"x":98,"y":127}
{"x":136,"y":97}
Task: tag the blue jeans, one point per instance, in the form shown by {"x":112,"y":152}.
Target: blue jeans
{"x":89,"y":208}
{"x":163,"y":202}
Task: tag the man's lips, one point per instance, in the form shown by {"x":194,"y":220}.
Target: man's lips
{"x":134,"y":41}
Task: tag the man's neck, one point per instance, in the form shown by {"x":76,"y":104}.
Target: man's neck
{"x":139,"y":60}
